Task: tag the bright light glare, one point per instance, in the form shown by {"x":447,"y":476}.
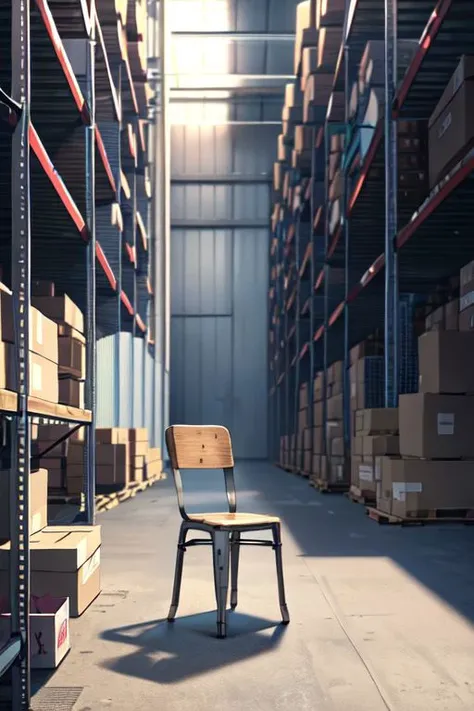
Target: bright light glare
{"x":192,"y":60}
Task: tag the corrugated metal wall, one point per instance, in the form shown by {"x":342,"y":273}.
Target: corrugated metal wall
{"x":219,"y":280}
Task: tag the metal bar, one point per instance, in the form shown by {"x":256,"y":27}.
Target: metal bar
{"x":391,"y":295}
{"x":238,"y":36}
{"x":219,"y":224}
{"x":297,"y":334}
{"x":21,"y":281}
{"x":326,"y":284}
{"x":230,"y":179}
{"x":346,"y":383}
{"x":118,"y":303}
{"x":311,"y":303}
{"x":90,"y":389}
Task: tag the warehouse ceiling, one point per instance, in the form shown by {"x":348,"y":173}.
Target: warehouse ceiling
{"x":229,"y":60}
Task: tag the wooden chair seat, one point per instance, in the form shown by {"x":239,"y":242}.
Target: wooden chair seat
{"x":234,"y":520}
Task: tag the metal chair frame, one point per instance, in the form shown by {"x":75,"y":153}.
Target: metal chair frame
{"x":226,"y":543}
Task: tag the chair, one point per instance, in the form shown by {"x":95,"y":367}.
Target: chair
{"x":209,"y":447}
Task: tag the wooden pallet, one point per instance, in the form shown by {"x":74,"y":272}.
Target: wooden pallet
{"x":327,"y":487}
{"x":105,"y":502}
{"x":359,"y":496}
{"x":420,"y":518}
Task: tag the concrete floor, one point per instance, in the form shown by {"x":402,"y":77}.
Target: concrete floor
{"x":382,"y":617}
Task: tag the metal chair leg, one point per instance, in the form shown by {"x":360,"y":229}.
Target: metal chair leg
{"x":220,"y":541}
{"x":285,"y":615}
{"x":234,"y":567}
{"x":178,"y":573}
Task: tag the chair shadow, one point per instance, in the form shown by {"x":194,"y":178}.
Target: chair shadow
{"x":167,"y":653}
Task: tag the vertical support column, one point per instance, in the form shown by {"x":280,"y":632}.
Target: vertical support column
{"x":326,"y":282}
{"x":91,"y":346}
{"x":119,"y":262}
{"x":346,"y":383}
{"x":297,"y":334}
{"x":391,"y":186}
{"x":311,"y":294}
{"x":134,"y":363}
{"x":21,"y":280}
{"x":165,"y":223}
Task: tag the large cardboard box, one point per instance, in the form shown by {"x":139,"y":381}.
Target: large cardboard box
{"x":436,"y":426}
{"x":43,"y":378}
{"x":7,"y":366}
{"x":416,"y":486}
{"x":38,"y":502}
{"x":138,"y":434}
{"x":112,"y":435}
{"x":71,"y":392}
{"x":335,"y":410}
{"x":43,"y":335}
{"x":49,"y":631}
{"x":445,"y":362}
{"x":303,"y":21}
{"x":375,"y":421}
{"x":72,"y":356}
{"x":65,"y":562}
{"x":380,"y":445}
{"x":60,"y":309}
{"x":451,"y":129}
{"x":7,"y":331}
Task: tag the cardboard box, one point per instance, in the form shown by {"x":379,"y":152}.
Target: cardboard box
{"x":358,"y":446}
{"x":7,"y":366}
{"x":112,"y":435}
{"x":51,"y":433}
{"x":303,"y":21}
{"x":65,"y":561}
{"x":153,"y":455}
{"x":309,"y":64}
{"x":75,"y":453}
{"x":375,"y":421}
{"x":451,"y":130}
{"x":72,"y":357}
{"x":71,"y":392}
{"x":413,"y":486}
{"x":318,"y":443}
{"x":445,"y":362}
{"x":436,"y":426}
{"x":318,"y":414}
{"x":355,"y":461}
{"x":380,"y":445}
{"x":111,"y":454}
{"x":60,"y":309}
{"x":139,"y":448}
{"x":43,"y":378}
{"x":335,"y":410}
{"x":49,"y":631}
{"x":139,"y":434}
{"x":43,"y":336}
{"x":466,"y":319}
{"x":153,"y":469}
{"x":7,"y":331}
{"x":38,"y":502}
{"x":367,"y":475}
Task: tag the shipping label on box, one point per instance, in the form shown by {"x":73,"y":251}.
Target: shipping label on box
{"x":400,"y":489}
{"x":366,"y":473}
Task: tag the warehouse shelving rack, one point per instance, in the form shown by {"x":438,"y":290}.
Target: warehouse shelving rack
{"x":60,"y":167}
{"x":386,"y":244}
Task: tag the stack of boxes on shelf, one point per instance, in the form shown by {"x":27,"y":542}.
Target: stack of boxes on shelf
{"x":376,"y":436}
{"x":43,"y":351}
{"x":71,"y":343}
{"x":451,"y":130}
{"x":303,"y":446}
{"x":434,"y":470}
{"x":329,"y":469}
{"x":65,"y":572}
{"x":123,"y":457}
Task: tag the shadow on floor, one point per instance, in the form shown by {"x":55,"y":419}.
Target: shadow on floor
{"x":440,"y":556}
{"x":167,"y":653}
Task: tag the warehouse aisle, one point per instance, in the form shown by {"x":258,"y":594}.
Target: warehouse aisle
{"x":381,"y":617}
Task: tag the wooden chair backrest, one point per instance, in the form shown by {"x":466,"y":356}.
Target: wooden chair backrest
{"x":205,"y":447}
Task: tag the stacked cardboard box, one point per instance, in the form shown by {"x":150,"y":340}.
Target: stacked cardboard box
{"x":334,"y":470}
{"x":376,"y":435}
{"x":366,"y":378}
{"x":62,"y":461}
{"x":71,"y":345}
{"x":43,"y":358}
{"x":306,"y":34}
{"x":303,"y":446}
{"x":436,"y":443}
{"x":317,"y":434}
{"x":154,"y":464}
{"x":451,"y":130}
{"x":466,"y":301}
{"x":65,"y":563}
{"x":138,"y":450}
{"x":38,"y":502}
{"x":112,"y":458}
